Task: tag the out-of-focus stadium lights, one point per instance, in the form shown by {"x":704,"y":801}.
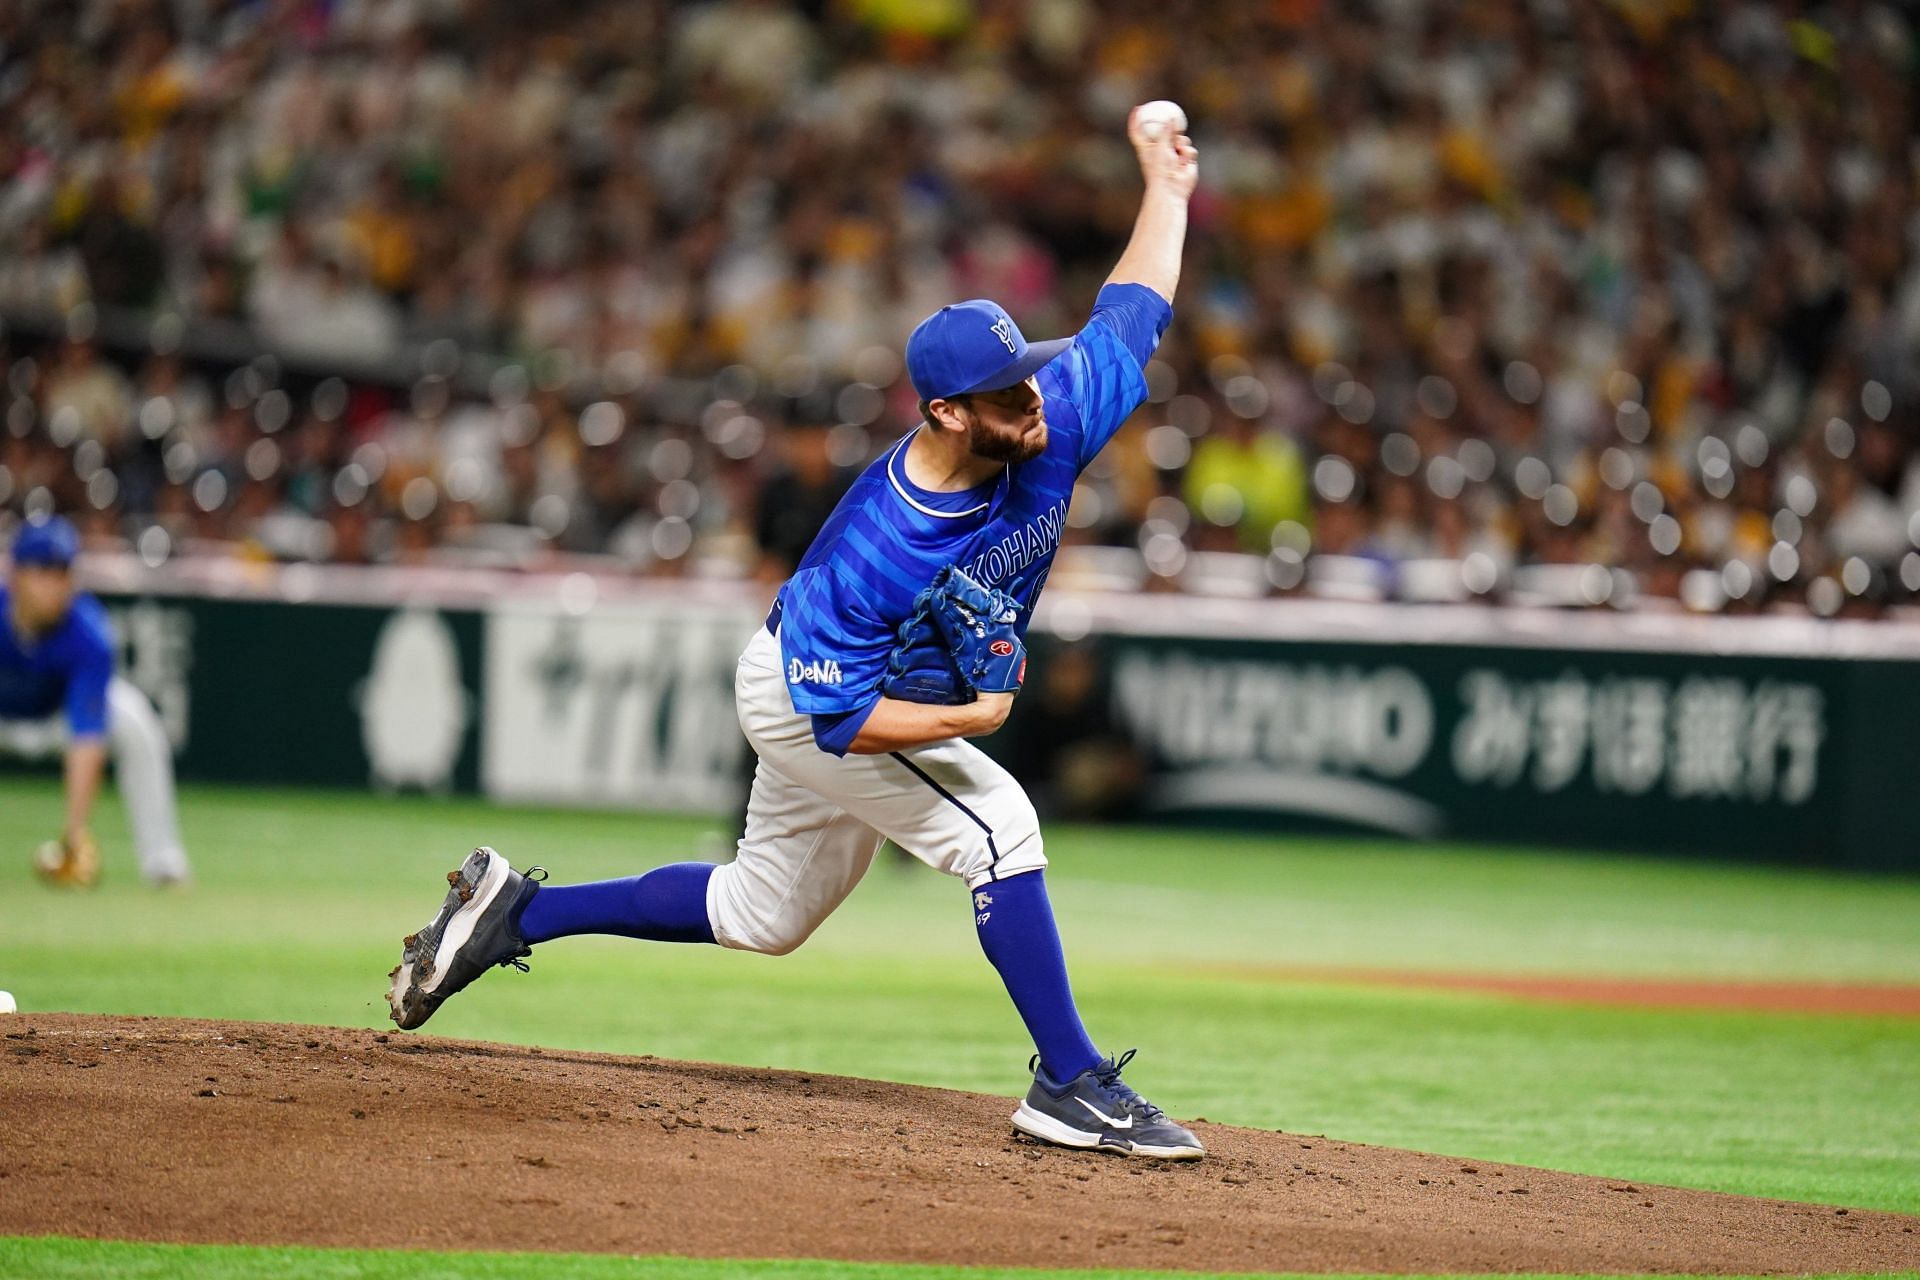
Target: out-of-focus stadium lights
{"x":1291,"y":534}
{"x":601,"y":423}
{"x":671,"y":458}
{"x":1623,"y":388}
{"x":1647,"y":501}
{"x":1168,"y":447}
{"x":1632,"y":422}
{"x":1222,"y":505}
{"x":153,"y":546}
{"x":1736,"y":577}
{"x":350,"y":485}
{"x":1824,"y":597}
{"x":1522,"y":382}
{"x":1165,"y":554}
{"x":1801,"y":495}
{"x":272,"y":411}
{"x":1478,"y":573}
{"x":1328,"y":377}
{"x":1838,"y":435}
{"x":1663,"y":534}
{"x":1446,"y":477}
{"x":671,"y":538}
{"x":1596,"y":584}
{"x":418,"y":498}
{"x":1355,"y":403}
{"x":1087,"y":508}
{"x":329,"y":399}
{"x":1333,"y":478}
{"x":859,"y":403}
{"x":210,"y":491}
{"x":1910,"y":571}
{"x":1856,"y":576}
{"x":1399,"y":454}
{"x":551,"y":514}
{"x":1703,"y":591}
{"x":103,"y":490}
{"x":1532,"y":478}
{"x":1169,"y":511}
{"x":1477,"y":459}
{"x":1560,"y":505}
{"x":262,"y":460}
{"x":1783,"y":562}
{"x":1876,"y":401}
{"x":1615,"y":467}
{"x":849,"y":445}
{"x":1286,"y":568}
{"x":1191,"y":414}
{"x":679,"y":499}
{"x":1750,"y":445}
{"x":1786,"y":526}
{"x":1436,"y":397}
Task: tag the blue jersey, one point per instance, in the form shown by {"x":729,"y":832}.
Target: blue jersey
{"x":884,"y":543}
{"x":66,"y":668}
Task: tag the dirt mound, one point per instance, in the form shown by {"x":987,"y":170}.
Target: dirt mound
{"x":239,"y":1132}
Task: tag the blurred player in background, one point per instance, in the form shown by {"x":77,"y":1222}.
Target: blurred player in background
{"x":900,"y":635}
{"x":58,"y":694}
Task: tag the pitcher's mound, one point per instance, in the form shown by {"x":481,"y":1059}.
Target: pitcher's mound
{"x":165,"y":1129}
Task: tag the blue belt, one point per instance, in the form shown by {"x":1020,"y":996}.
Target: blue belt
{"x":773,"y":618}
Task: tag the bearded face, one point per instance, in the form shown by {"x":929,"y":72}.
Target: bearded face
{"x":1007,"y":426}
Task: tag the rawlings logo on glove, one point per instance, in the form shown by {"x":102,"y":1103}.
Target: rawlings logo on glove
{"x":958,"y":643}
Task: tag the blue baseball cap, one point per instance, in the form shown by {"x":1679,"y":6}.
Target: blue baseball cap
{"x":48,"y":541}
{"x":973,"y":346}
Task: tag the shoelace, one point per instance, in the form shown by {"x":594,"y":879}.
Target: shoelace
{"x":518,"y":959}
{"x":1108,"y":1074}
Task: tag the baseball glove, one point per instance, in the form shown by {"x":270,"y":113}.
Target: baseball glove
{"x":958,"y":643}
{"x":72,"y":863}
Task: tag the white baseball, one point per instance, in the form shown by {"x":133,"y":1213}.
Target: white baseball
{"x":1160,"y":117}
{"x":6,"y":1003}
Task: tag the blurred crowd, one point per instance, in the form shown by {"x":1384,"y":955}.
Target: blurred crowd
{"x":1564,"y":300}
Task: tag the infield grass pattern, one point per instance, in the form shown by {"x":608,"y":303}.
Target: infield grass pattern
{"x":301,"y":900}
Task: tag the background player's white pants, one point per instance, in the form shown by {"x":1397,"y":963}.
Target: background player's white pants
{"x":815,"y":820}
{"x":143,"y":766}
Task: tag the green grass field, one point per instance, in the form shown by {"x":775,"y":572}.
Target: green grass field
{"x":301,"y":899}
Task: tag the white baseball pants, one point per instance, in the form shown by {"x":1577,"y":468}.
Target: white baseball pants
{"x":143,"y":766}
{"x":815,"y":820}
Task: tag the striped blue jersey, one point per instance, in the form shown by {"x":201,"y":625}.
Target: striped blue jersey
{"x":888,"y":537}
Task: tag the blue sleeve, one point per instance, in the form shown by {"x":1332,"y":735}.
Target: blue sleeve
{"x":1103,"y":373}
{"x":835,"y":733}
{"x":833,"y":645}
{"x":1137,"y":314}
{"x":87,"y":691}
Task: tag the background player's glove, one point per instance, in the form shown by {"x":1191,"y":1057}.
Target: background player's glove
{"x":958,"y":643}
{"x":73,"y":862}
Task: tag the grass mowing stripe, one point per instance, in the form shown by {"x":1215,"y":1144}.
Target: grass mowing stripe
{"x":56,"y":1258}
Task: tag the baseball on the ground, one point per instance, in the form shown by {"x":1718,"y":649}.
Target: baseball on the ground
{"x":6,"y":1003}
{"x":1159,"y":117}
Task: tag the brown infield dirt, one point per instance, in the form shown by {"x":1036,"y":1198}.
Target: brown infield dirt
{"x":230,"y":1132}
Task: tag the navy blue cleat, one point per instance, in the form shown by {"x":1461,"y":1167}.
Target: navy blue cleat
{"x":476,"y":928}
{"x":1097,"y":1111}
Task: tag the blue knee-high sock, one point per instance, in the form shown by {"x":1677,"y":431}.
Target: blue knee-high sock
{"x":1017,"y":932}
{"x":668,"y":904}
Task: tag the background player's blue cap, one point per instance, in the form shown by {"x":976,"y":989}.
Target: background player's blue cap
{"x":973,"y":346}
{"x":48,"y":541}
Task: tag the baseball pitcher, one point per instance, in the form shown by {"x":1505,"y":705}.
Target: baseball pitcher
{"x":899,"y":637}
{"x":59,"y":696}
